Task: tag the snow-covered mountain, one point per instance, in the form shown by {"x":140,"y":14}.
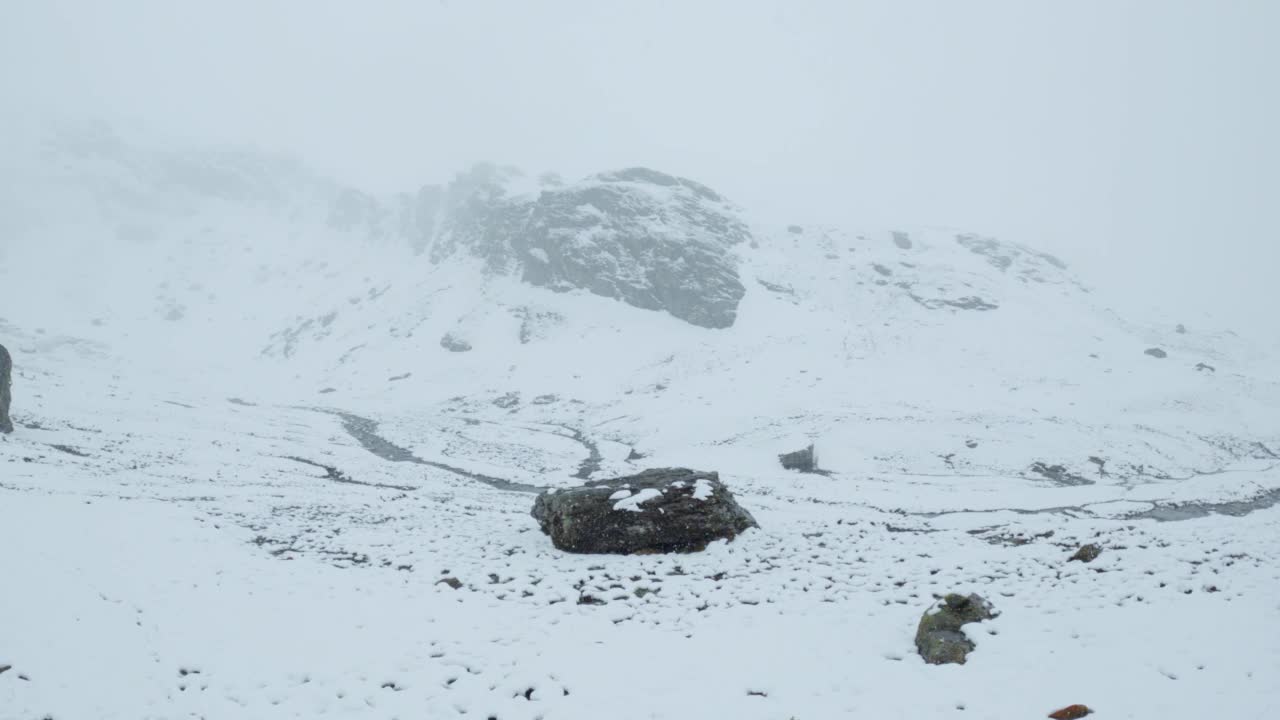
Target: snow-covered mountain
{"x":190,"y":323}
{"x":626,"y":295}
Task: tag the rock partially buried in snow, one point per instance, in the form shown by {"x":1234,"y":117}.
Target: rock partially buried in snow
{"x":939,"y":638}
{"x":1087,"y":553}
{"x":6,"y":371}
{"x":660,"y":510}
{"x":454,"y":343}
{"x":1071,"y":712}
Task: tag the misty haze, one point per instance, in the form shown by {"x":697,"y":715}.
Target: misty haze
{"x":570,"y":360}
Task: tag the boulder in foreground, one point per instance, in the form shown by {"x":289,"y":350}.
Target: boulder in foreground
{"x":939,"y":638}
{"x":657,"y":511}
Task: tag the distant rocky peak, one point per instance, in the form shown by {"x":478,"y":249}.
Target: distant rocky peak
{"x":652,"y":240}
{"x":653,"y":177}
{"x":1023,"y":262}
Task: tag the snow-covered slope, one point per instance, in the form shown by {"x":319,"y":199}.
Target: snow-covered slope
{"x":261,"y":415}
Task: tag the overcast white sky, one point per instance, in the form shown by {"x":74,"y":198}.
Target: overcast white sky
{"x":1135,"y":139}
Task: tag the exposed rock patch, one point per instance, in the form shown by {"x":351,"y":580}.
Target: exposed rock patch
{"x":968,"y":302}
{"x":536,"y":324}
{"x":1059,"y":474}
{"x":656,"y":511}
{"x":776,"y":287}
{"x":1027,"y":264}
{"x":507,"y":401}
{"x":6,"y":392}
{"x":1156,"y":353}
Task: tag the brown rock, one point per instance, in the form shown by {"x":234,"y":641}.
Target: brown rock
{"x":1070,"y":712}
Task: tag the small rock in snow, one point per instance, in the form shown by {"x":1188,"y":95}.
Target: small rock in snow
{"x":1087,"y":553}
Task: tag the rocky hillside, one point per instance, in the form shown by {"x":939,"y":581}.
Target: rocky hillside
{"x":631,"y":298}
{"x":652,"y":240}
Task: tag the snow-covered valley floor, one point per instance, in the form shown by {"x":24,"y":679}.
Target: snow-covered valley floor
{"x":278,"y":441}
{"x":171,"y":553}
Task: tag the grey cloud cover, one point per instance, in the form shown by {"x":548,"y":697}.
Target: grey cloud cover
{"x":1135,"y":139}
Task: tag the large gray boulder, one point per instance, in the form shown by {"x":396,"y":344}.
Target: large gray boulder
{"x":6,"y":381}
{"x":656,"y":511}
{"x":652,"y":240}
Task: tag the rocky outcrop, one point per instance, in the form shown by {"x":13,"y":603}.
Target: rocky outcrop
{"x":1026,"y":264}
{"x":656,"y":511}
{"x":651,"y":240}
{"x":969,"y":302}
{"x":939,"y":638}
{"x":1059,"y":474}
{"x":536,"y":323}
{"x":6,"y":380}
{"x":1156,"y":353}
